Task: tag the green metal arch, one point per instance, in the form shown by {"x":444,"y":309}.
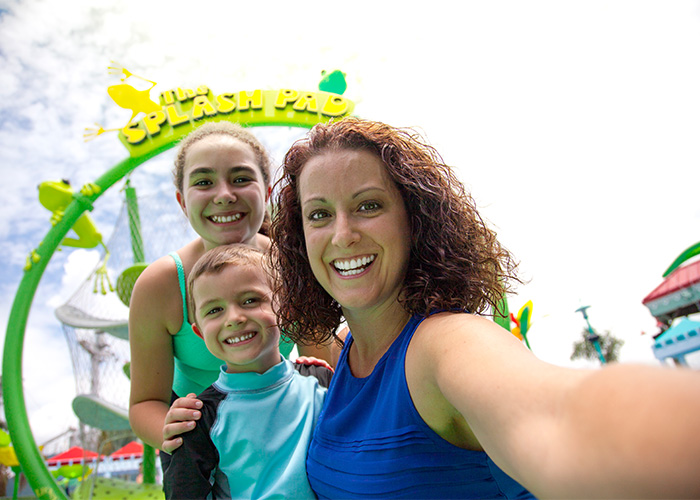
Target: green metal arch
{"x":28,"y":454}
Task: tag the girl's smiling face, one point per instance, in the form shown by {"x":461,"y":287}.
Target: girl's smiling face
{"x":356,"y":228}
{"x":224,"y":193}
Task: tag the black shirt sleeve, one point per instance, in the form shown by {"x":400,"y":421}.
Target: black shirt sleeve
{"x":322,"y":374}
{"x":190,"y":473}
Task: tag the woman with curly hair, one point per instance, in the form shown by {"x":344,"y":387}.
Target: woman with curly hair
{"x":429,"y":399}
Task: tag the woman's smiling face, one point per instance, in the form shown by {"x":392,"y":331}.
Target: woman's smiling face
{"x":356,"y":228}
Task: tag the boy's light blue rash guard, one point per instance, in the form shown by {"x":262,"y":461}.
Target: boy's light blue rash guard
{"x":252,"y":438}
{"x":371,"y":442}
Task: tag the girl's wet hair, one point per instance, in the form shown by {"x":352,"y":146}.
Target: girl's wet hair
{"x":227,"y":129}
{"x":455,"y":263}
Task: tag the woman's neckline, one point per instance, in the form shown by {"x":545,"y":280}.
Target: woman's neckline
{"x":367,"y":373}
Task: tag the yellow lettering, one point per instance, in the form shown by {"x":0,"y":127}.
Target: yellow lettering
{"x":335,"y":106}
{"x":201,"y":107}
{"x":246,"y":100}
{"x":306,"y":102}
{"x":167,"y":97}
{"x":133,"y":134}
{"x":179,"y":106}
{"x":184,"y":94}
{"x":174,"y":118}
{"x":153,"y":121}
{"x":224,"y":103}
{"x":284,"y":97}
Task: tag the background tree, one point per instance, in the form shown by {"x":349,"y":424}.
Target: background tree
{"x":609,"y":344}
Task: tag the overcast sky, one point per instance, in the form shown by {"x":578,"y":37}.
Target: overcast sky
{"x":575,"y":124}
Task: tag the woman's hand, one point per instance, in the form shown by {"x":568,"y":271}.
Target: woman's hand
{"x":180,"y":419}
{"x":310,"y":360}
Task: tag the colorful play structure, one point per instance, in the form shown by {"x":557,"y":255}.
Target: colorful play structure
{"x":519,"y":324}
{"x":677,"y":297}
{"x":94,"y":318}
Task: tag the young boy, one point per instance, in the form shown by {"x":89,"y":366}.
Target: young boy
{"x":257,"y":418}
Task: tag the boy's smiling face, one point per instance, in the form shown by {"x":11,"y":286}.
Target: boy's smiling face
{"x":234,"y":317}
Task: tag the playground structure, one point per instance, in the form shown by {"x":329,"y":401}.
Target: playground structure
{"x":678,"y":296}
{"x":94,"y":318}
{"x":95,"y":322}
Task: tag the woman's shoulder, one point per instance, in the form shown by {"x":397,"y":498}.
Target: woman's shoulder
{"x":457,"y":330}
{"x":459,"y":320}
{"x":467,"y":348}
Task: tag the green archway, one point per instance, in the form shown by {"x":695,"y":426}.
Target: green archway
{"x":156,"y":133}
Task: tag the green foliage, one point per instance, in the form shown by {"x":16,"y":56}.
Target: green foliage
{"x":609,"y":344}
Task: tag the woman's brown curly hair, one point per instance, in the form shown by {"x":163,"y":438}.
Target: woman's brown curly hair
{"x":455,"y":263}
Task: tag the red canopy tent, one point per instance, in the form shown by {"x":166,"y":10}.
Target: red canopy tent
{"x":133,"y":449}
{"x":75,"y":455}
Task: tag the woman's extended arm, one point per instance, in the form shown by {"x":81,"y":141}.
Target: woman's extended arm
{"x":621,"y":431}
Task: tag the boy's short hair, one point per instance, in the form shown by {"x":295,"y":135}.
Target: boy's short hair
{"x":218,"y":258}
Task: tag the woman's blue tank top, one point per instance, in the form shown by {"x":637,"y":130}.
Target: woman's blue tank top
{"x":370,"y":441}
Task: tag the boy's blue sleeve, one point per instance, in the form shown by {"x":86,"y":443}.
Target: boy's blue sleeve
{"x":190,"y":474}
